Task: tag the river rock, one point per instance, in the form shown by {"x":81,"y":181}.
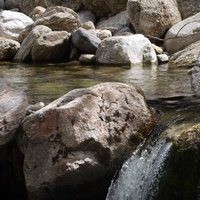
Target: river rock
{"x":126,"y":50}
{"x":87,"y":58}
{"x":101,"y":34}
{"x":187,"y":57}
{"x":13,"y":104}
{"x":27,"y":6}
{"x":12,"y":23}
{"x":73,"y":144}
{"x":59,"y":18}
{"x":51,"y":46}
{"x":85,"y":40}
{"x":115,"y":23}
{"x":88,"y":25}
{"x":124,"y":31}
{"x":8,"y":48}
{"x":182,"y":34}
{"x":37,"y":13}
{"x":24,"y":53}
{"x":86,"y":15}
{"x":102,"y":8}
{"x":153,"y":18}
{"x":188,"y":8}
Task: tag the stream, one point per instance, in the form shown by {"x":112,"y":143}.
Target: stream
{"x":167,"y":90}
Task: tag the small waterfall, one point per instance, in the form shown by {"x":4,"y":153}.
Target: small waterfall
{"x":139,"y":176}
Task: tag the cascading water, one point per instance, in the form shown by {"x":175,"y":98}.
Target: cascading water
{"x":139,"y":176}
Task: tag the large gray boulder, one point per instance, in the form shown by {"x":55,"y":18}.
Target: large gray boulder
{"x":59,"y":18}
{"x":126,"y":50}
{"x":12,"y":23}
{"x":85,"y":41}
{"x":188,"y":8}
{"x":13,"y":104}
{"x":183,"y":34}
{"x":153,"y":18}
{"x":24,"y":53}
{"x":8,"y":48}
{"x":73,"y":145}
{"x":51,"y":46}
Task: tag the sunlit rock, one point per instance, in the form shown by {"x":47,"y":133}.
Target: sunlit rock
{"x":59,"y":18}
{"x":12,"y":23}
{"x":126,"y":50}
{"x":153,"y":18}
{"x":74,"y":144}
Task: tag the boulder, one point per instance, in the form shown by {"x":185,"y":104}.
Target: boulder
{"x":188,"y":8}
{"x":12,"y":23}
{"x":24,"y":53}
{"x":85,"y":40}
{"x":126,"y":50}
{"x":186,"y":58}
{"x":102,"y":8}
{"x":73,"y":145}
{"x":51,"y":46}
{"x":182,"y":34}
{"x":115,"y":23}
{"x":27,"y":6}
{"x":12,"y":4}
{"x":59,"y":18}
{"x":153,"y":18}
{"x":13,"y":104}
{"x":8,"y":48}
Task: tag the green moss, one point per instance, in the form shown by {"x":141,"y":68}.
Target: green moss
{"x":180,"y":178}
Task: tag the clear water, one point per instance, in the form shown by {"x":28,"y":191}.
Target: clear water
{"x":46,"y":82}
{"x":139,"y":176}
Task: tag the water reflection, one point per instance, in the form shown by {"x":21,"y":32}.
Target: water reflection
{"x":46,"y":82}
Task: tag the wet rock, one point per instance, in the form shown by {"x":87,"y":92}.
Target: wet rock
{"x":162,"y":58}
{"x":59,"y":18}
{"x":8,"y":48}
{"x":126,"y":50}
{"x":51,"y":46}
{"x":12,"y":23}
{"x":85,"y":41}
{"x":24,"y":53}
{"x":153,"y":18}
{"x":74,"y":144}
{"x":13,"y":104}
{"x":183,"y":34}
{"x":186,"y":58}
